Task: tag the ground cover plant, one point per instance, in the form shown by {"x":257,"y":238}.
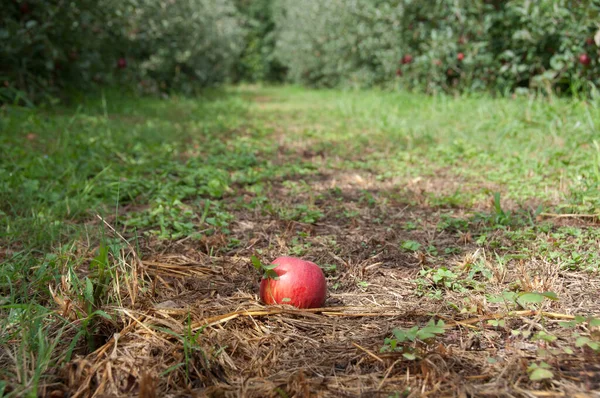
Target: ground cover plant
{"x":458,"y":236}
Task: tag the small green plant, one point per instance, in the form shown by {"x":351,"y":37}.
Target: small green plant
{"x":497,"y":323}
{"x":521,"y":299}
{"x":408,"y":341}
{"x":299,"y":248}
{"x":194,"y":355}
{"x":266,"y":270}
{"x":541,"y":371}
{"x":175,"y":219}
{"x":409,"y":226}
{"x":589,"y":340}
{"x":302,"y":213}
{"x":367,"y":197}
{"x":433,"y":282}
{"x":449,"y":223}
{"x":410,"y":245}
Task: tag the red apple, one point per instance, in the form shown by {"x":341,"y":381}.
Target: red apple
{"x":460,"y":56}
{"x":122,"y":63}
{"x":24,"y":8}
{"x":407,"y":59}
{"x":301,"y":284}
{"x":584,"y":59}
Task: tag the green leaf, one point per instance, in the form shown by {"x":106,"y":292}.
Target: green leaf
{"x":541,"y":374}
{"x":409,"y":356}
{"x":497,"y":322}
{"x":569,"y":324}
{"x":581,"y":341}
{"x":431,"y":330}
{"x":550,"y":295}
{"x":594,"y":345}
{"x":270,"y":274}
{"x":530,"y":297}
{"x":400,"y":335}
{"x":411,"y":245}
{"x":102,"y":314}
{"x":545,"y":365}
{"x":256,"y":262}
{"x":544,"y":336}
{"x":89,"y":290}
{"x":286,"y":300}
{"x":101,"y":260}
{"x":171,"y":368}
{"x":71,"y":346}
{"x":594,"y":322}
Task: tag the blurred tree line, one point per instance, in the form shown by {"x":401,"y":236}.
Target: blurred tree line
{"x":49,"y":47}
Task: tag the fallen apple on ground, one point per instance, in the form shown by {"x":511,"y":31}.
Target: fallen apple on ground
{"x":293,"y":281}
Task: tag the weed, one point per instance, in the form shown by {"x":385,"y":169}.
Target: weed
{"x":410,"y":245}
{"x":303,"y":213}
{"x":540,"y":371}
{"x":407,"y":341}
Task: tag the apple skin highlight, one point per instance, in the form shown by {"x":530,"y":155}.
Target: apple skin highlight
{"x":301,"y":284}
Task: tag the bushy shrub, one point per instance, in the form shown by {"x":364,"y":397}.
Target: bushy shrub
{"x":338,"y":42}
{"x":47,"y":46}
{"x":440,"y":45}
{"x":181,"y":44}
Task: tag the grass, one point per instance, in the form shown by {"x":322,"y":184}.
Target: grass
{"x":445,"y":226}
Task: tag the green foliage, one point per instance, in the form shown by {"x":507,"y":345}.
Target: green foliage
{"x":47,"y":48}
{"x":405,"y":340}
{"x":540,"y":372}
{"x":266,"y":270}
{"x":303,"y":213}
{"x":257,"y":62}
{"x":434,"y":281}
{"x":338,"y":42}
{"x":184,"y":43}
{"x":410,"y":245}
{"x":440,"y":45}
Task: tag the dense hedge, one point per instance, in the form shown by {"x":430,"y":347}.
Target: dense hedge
{"x":182,"y":44}
{"x":47,"y":46}
{"x":437,"y":45}
{"x":440,"y":45}
{"x":328,"y":43}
